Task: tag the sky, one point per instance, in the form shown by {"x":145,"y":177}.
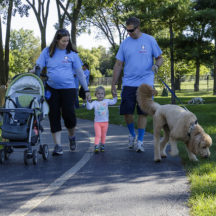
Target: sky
{"x":85,"y":40}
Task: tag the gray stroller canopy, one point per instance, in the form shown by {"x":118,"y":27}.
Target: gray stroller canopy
{"x":24,"y":82}
{"x":24,"y":85}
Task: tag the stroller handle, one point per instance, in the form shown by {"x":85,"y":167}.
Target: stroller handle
{"x":37,"y":70}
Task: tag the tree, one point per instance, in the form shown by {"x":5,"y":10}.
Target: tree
{"x":25,"y":49}
{"x":166,"y":15}
{"x":207,"y":10}
{"x":61,"y":15}
{"x":8,"y":8}
{"x":195,"y":49}
{"x":107,"y":17}
{"x":172,"y":15}
{"x":41,"y":11}
{"x":106,"y":62}
{"x":72,"y":16}
{"x":92,"y":58}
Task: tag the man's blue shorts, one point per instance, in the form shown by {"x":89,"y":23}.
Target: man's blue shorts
{"x":129,"y":102}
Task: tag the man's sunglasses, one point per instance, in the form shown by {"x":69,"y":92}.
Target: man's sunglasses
{"x":131,"y":30}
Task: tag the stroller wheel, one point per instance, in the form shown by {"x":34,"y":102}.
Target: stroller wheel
{"x":45,"y":152}
{"x":2,"y":156}
{"x":8,"y":151}
{"x":40,"y":151}
{"x":34,"y":157}
{"x":26,"y":157}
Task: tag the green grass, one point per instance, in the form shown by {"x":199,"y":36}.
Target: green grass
{"x":202,"y":174}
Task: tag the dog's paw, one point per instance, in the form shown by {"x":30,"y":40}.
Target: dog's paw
{"x":163,"y":154}
{"x":174,"y":153}
{"x":193,"y":158}
{"x":157,"y":159}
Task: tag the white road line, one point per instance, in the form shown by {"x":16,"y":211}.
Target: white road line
{"x":47,"y":192}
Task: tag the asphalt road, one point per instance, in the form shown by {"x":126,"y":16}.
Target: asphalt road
{"x":118,"y":182}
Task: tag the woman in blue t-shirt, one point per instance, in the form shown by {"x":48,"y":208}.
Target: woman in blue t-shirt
{"x":62,"y":62}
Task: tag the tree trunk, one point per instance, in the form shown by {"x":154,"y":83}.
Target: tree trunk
{"x":2,"y":68}
{"x":7,"y":40}
{"x":4,"y":56}
{"x":214,"y":88}
{"x":43,"y":38}
{"x":196,"y":85}
{"x":41,"y":13}
{"x":177,"y":82}
{"x":61,"y":16}
{"x":172,"y":64}
{"x":74,"y":21}
{"x":2,"y":95}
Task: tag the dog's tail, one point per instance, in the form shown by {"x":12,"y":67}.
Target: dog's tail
{"x":144,"y":98}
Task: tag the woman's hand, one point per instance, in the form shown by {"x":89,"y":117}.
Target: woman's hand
{"x":88,"y":96}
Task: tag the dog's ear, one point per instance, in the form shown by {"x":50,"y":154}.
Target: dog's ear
{"x":206,"y":140}
{"x":193,"y":143}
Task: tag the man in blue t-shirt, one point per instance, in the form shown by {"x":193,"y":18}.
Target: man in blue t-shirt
{"x":86,"y":71}
{"x":141,"y":57}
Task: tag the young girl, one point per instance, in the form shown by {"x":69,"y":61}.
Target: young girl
{"x":101,"y":116}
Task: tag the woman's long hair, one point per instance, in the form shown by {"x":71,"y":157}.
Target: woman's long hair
{"x":58,"y":35}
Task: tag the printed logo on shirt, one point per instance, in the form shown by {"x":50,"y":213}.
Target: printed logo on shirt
{"x":101,"y":109}
{"x":143,"y":49}
{"x":66,"y":60}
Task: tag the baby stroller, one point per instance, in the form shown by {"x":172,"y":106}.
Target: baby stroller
{"x":24,"y":108}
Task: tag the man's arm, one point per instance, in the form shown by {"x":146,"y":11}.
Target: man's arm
{"x":158,"y":63}
{"x":116,"y":74}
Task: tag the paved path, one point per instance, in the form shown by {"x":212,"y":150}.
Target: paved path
{"x":118,"y":182}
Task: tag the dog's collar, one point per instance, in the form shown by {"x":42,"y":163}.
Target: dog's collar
{"x":192,"y":126}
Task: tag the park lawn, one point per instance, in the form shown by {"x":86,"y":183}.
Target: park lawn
{"x":202,"y":174}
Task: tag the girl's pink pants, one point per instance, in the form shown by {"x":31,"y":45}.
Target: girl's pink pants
{"x":100,"y":132}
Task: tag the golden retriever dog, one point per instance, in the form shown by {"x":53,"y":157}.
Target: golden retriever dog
{"x":177,"y":123}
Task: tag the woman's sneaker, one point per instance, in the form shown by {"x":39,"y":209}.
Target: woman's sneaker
{"x":96,"y":148}
{"x":57,"y":150}
{"x":102,"y":148}
{"x":72,"y":143}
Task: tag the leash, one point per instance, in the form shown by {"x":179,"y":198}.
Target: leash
{"x":172,"y":92}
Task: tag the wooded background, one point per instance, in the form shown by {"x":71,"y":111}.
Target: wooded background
{"x":184,"y":29}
